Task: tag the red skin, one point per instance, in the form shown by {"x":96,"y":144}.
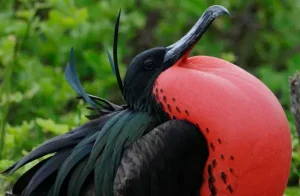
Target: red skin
{"x":245,"y":126}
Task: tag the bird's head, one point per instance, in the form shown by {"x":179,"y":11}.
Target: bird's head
{"x":145,"y":68}
{"x":140,"y":77}
{"x":244,"y":124}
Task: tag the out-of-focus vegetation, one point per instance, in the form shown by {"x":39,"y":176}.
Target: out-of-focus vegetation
{"x":36,"y":102}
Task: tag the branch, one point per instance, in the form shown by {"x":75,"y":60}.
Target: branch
{"x":295,"y":99}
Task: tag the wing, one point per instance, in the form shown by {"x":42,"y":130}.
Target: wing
{"x":169,"y":160}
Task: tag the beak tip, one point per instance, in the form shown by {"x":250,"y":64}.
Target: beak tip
{"x":218,"y":10}
{"x":183,"y":46}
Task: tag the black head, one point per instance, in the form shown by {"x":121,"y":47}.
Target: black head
{"x":148,"y":65}
{"x":141,"y":75}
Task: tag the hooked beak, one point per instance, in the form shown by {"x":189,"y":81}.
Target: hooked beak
{"x":183,"y":46}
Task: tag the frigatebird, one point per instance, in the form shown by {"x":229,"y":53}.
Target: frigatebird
{"x":190,"y":126}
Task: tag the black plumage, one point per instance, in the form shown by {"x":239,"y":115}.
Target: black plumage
{"x":169,"y":160}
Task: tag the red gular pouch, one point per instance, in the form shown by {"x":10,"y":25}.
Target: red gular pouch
{"x":245,"y":126}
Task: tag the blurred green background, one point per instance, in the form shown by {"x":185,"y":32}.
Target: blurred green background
{"x":36,"y":102}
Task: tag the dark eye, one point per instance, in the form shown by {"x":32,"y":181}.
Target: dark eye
{"x":149,"y":64}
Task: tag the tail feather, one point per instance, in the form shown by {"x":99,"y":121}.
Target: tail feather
{"x":49,"y":167}
{"x":75,"y":175}
{"x":40,"y":178}
{"x":23,"y":181}
{"x":57,"y":143}
{"x":69,"y":163}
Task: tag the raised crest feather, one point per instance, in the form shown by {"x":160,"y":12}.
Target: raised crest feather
{"x":104,"y":106}
{"x":115,"y":54}
{"x":73,"y":80}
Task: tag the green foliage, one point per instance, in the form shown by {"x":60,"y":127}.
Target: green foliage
{"x":36,"y":103}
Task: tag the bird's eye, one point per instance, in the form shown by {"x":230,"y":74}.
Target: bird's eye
{"x":149,"y":64}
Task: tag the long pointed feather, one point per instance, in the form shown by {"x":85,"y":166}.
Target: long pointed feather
{"x":88,"y":140}
{"x":111,"y":62}
{"x":102,"y":136}
{"x":115,"y":54}
{"x":37,"y":153}
{"x":87,"y":169}
{"x":23,"y":181}
{"x":112,"y":105}
{"x":51,"y":166}
{"x":75,"y":176}
{"x":99,"y":140}
{"x":68,"y":165}
{"x":127,"y":129}
{"x":59,"y":142}
{"x":83,"y":175}
{"x":73,"y":80}
{"x":103,"y":103}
